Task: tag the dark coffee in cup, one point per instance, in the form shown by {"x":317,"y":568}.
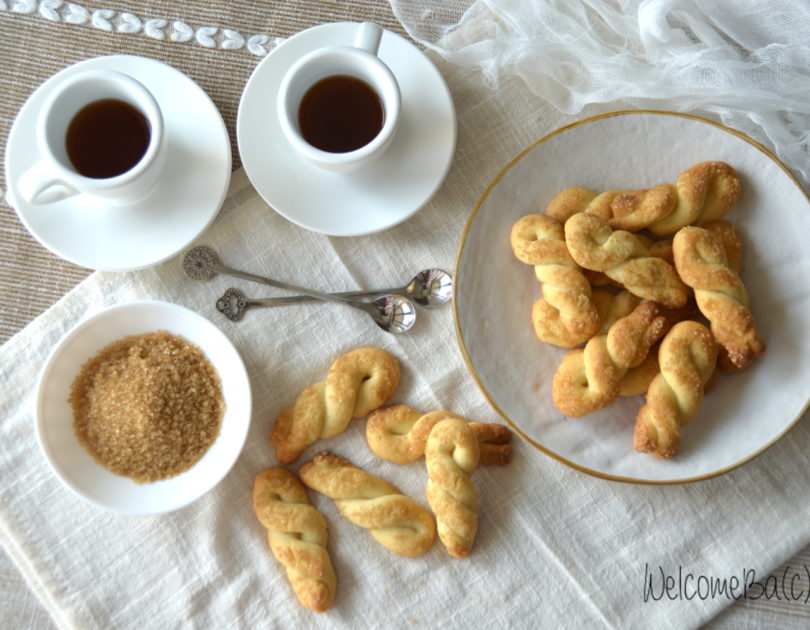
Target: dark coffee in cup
{"x":340,"y":114}
{"x":106,"y":138}
{"x":339,"y":106}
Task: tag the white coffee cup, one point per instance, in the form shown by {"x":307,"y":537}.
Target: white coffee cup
{"x":359,"y":61}
{"x":54,"y":177}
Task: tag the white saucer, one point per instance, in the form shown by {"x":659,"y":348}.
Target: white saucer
{"x":188,"y":197}
{"x":372,"y":198}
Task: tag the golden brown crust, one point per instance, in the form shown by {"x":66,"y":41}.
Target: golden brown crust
{"x":636,"y":209}
{"x":357,"y":383}
{"x":494,"y":443}
{"x":590,"y":378}
{"x":687,"y":359}
{"x":395,"y":521}
{"x":548,"y":327}
{"x":613,"y":306}
{"x":297,"y":535}
{"x":570,"y":201}
{"x":706,"y":191}
{"x":729,"y":239}
{"x":539,"y":240}
{"x":451,"y":456}
{"x":594,"y":245}
{"x":661,"y":249}
{"x":399,"y":434}
{"x":701,"y":260}
{"x":637,"y":379}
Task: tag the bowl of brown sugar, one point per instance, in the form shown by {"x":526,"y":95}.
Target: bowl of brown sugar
{"x":143,"y":407}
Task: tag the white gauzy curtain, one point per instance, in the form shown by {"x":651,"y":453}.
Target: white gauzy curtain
{"x":743,"y":62}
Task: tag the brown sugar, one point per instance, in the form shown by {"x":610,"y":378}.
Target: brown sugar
{"x":147,"y":406}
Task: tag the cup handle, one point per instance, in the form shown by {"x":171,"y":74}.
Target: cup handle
{"x":368,"y":37}
{"x":37,"y":186}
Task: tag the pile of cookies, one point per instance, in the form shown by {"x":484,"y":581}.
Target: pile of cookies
{"x":644,"y":285}
{"x":357,"y":385}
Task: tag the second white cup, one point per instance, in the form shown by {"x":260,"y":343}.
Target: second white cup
{"x":339,"y":106}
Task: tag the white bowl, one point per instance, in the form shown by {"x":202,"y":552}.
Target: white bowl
{"x":54,"y":416}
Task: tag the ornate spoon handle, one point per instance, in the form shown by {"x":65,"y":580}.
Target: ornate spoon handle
{"x":233,"y":302}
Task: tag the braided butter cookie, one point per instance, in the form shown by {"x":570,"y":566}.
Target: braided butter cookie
{"x":687,"y":359}
{"x":296,"y":532}
{"x":636,"y":209}
{"x":705,"y":191}
{"x":451,"y":456}
{"x":623,"y":257}
{"x":395,"y":521}
{"x":612,"y":307}
{"x":702,"y":261}
{"x":630,"y":209}
{"x":590,"y":378}
{"x":399,"y":434}
{"x":357,"y":383}
{"x":571,"y":201}
{"x":566,"y":315}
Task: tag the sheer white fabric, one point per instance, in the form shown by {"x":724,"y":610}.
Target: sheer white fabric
{"x":745,"y":63}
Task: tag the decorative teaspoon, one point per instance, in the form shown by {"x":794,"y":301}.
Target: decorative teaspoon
{"x":392,"y":313}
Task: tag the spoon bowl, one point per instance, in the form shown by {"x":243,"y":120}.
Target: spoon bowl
{"x":430,"y":288}
{"x":395,"y":314}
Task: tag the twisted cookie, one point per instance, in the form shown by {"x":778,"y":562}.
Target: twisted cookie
{"x":357,"y":383}
{"x":566,"y":315}
{"x":623,"y":257}
{"x":636,"y":209}
{"x":687,"y":359}
{"x":451,"y":456}
{"x":705,"y":191}
{"x":631,"y":209}
{"x":574,"y":200}
{"x":396,"y":522}
{"x":612,"y":307}
{"x":571,"y":201}
{"x":297,"y":536}
{"x":399,"y":434}
{"x":702,"y":261}
{"x":590,"y":378}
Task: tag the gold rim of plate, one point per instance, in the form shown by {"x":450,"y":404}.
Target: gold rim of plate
{"x":463,"y":347}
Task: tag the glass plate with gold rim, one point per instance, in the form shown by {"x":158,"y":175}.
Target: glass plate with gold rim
{"x":744,"y":413}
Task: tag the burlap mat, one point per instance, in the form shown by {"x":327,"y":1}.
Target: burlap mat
{"x":38,"y":39}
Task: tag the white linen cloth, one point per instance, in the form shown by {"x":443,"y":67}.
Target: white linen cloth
{"x":555,"y":546}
